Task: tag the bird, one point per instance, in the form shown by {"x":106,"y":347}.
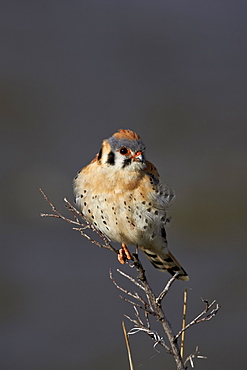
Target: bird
{"x":121,"y":194}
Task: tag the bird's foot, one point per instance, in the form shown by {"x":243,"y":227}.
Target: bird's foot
{"x":124,"y":254}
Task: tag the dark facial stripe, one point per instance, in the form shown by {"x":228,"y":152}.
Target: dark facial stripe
{"x":127,"y":161}
{"x":111,"y":159}
{"x":100,"y":154}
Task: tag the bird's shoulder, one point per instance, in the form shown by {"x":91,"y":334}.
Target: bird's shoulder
{"x":152,"y":171}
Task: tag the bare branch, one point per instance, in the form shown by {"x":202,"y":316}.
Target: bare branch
{"x":151,"y":305}
{"x":74,"y":211}
{"x":81,"y":231}
{"x":139,"y":306}
{"x":131,"y":279}
{"x":147,"y":320}
{"x":159,"y":313}
{"x":153,"y":334}
{"x":82,"y":225}
{"x":199,"y":318}
{"x":194,"y":355}
{"x":133,"y":295}
{"x":134,"y":321}
{"x":166,"y":289}
{"x":138,"y":315}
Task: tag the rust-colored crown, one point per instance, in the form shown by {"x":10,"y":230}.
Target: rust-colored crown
{"x":126,"y":134}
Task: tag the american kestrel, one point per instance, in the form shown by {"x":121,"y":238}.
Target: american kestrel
{"x":120,"y":193}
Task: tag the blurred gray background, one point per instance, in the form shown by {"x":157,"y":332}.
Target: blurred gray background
{"x":71,"y":74}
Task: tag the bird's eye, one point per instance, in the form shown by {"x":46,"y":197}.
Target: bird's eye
{"x":124,"y":151}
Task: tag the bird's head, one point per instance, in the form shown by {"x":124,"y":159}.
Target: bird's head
{"x":123,"y":151}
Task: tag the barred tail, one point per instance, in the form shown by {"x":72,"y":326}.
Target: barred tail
{"x":167,"y":262}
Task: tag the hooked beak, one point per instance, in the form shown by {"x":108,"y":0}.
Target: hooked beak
{"x":138,"y":157}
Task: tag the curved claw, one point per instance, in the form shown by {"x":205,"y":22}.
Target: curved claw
{"x":124,"y":254}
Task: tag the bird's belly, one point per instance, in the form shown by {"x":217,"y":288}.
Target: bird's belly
{"x":124,"y":219}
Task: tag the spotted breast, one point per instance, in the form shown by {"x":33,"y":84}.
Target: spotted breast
{"x":121,"y":194}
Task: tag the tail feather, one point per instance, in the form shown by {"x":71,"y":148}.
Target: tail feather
{"x":167,"y":262}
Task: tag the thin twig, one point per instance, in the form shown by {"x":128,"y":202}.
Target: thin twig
{"x":126,"y":337}
{"x":133,"y":295}
{"x":183,"y":323}
{"x":198,"y":319}
{"x":194,"y":355}
{"x":138,"y":315}
{"x":166,"y":289}
{"x":93,"y":241}
{"x":139,"y":306}
{"x":74,"y":211}
{"x":81,"y":226}
{"x":147,"y":319}
{"x":137,"y":324}
{"x":153,"y":334}
{"x":145,"y":285}
{"x":131,"y":279}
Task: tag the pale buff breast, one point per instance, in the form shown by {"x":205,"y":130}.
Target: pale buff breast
{"x":131,"y":214}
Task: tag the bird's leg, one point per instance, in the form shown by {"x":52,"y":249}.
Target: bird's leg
{"x":124,"y":254}
{"x":126,"y":251}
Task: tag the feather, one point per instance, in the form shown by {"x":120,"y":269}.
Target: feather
{"x":151,"y":170}
{"x":167,"y":263}
{"x":126,"y":134}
